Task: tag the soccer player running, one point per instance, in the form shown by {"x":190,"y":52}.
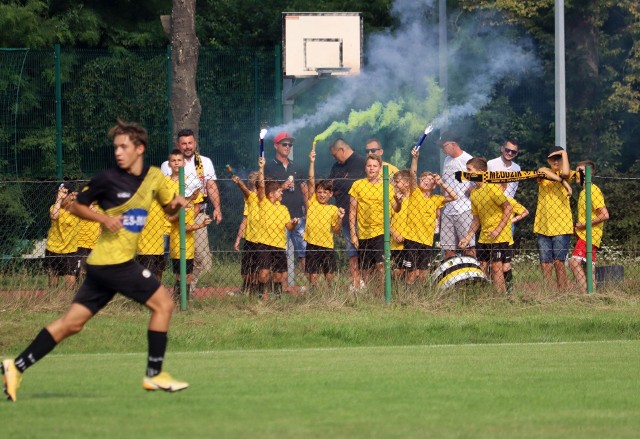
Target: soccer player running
{"x":124,"y":194}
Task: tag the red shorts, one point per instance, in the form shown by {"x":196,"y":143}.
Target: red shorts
{"x":580,"y":251}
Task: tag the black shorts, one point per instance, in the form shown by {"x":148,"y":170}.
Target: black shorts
{"x":320,"y":260}
{"x":153,"y":263}
{"x":130,"y":279}
{"x":271,"y":258}
{"x":494,"y":252}
{"x":418,"y":256}
{"x":371,"y":252}
{"x":249,"y":261}
{"x":61,"y":264}
{"x":175,"y":263}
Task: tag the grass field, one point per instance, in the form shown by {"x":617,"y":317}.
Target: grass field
{"x":563,"y":390}
{"x":560,"y":366}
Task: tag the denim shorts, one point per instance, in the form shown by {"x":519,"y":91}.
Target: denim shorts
{"x":346,"y":234}
{"x":553,"y":248}
{"x":297,"y":238}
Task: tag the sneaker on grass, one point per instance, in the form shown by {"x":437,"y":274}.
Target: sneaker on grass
{"x":11,"y":379}
{"x":163,"y":381}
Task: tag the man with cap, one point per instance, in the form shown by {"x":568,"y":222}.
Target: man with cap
{"x":293,"y":183}
{"x":554,"y":221}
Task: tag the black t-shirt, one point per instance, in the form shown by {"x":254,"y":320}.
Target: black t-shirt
{"x":112,"y":187}
{"x":343,"y":176}
{"x":274,"y":169}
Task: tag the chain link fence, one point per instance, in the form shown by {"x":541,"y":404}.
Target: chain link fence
{"x":418,"y":260}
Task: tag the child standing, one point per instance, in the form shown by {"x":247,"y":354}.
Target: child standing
{"x":176,"y":161}
{"x":248,"y":229}
{"x":323,"y":220}
{"x":62,"y":239}
{"x":492,"y":213}
{"x":519,"y":212}
{"x":599,"y":214}
{"x":272,"y":243}
{"x":423,"y":206}
{"x":366,"y":208}
{"x":402,"y":185}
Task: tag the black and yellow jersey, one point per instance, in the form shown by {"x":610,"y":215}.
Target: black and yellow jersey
{"x":119,"y":193}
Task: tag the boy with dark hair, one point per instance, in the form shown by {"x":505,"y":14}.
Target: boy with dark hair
{"x":249,"y":230}
{"x":275,"y":221}
{"x":323,"y":220}
{"x":492,"y":215}
{"x":124,"y":194}
{"x":599,"y":214}
{"x":62,"y":240}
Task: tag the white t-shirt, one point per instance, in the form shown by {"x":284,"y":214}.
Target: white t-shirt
{"x":451,"y":165}
{"x":191,"y":181}
{"x":498,"y":165}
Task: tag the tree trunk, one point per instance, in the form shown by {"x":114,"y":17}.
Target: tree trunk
{"x":181,"y":30}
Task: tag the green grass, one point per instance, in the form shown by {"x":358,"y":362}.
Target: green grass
{"x":560,"y":390}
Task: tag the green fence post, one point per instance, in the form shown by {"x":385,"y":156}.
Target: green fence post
{"x":169,"y":114}
{"x":183,"y":246}
{"x":589,"y":228}
{"x":387,"y":234}
{"x":278,"y":83}
{"x":58,"y":91}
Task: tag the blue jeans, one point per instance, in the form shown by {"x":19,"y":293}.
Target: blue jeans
{"x":297,"y":238}
{"x":346,"y":234}
{"x":552,"y":248}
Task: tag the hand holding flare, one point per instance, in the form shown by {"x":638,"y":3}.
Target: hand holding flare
{"x":424,"y":136}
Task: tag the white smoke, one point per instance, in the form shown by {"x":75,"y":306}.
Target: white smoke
{"x":398,"y":61}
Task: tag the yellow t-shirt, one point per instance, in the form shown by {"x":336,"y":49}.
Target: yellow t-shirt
{"x":321,"y":219}
{"x":518,"y":209}
{"x":120,"y":246}
{"x":597,"y":202}
{"x":63,"y":234}
{"x":370,"y":207}
{"x":151,"y":240}
{"x":399,"y":225}
{"x":422,"y":216}
{"x":88,"y":233}
{"x":553,"y":213}
{"x":174,"y":236}
{"x":392,"y":169}
{"x":486,"y":204}
{"x":252,"y":212}
{"x":272,"y":229}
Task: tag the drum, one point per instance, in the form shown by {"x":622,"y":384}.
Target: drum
{"x":458,"y":270}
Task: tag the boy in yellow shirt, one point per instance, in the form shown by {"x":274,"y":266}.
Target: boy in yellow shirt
{"x":599,"y":214}
{"x":323,"y":220}
{"x":62,"y":239}
{"x":272,"y":241}
{"x":492,"y":214}
{"x":176,"y":161}
{"x":248,"y":230}
{"x":519,"y":212}
{"x":423,"y":207}
{"x":403,"y":185}
{"x":151,"y":243}
{"x":366,"y":209}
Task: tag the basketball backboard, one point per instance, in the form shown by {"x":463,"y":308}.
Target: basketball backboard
{"x":321,"y":43}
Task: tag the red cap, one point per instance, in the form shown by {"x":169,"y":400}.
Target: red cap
{"x":283,"y":136}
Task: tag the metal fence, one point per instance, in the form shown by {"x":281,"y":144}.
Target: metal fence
{"x":417,"y":262}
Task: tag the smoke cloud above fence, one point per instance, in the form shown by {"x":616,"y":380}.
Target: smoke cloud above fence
{"x":400,"y":64}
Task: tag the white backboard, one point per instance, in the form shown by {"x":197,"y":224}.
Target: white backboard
{"x":317,"y":43}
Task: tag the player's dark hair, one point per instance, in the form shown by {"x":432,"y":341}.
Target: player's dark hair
{"x":176,"y":151}
{"x":326,"y":185}
{"x":136,"y":132}
{"x":586,"y":163}
{"x":271,"y":186}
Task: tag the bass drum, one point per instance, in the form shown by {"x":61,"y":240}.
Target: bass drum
{"x":459,"y":270}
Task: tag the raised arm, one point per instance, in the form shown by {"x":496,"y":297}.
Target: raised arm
{"x":414,"y":163}
{"x":260,"y":182}
{"x":312,"y":180}
{"x":449,"y":194}
{"x":245,"y":190}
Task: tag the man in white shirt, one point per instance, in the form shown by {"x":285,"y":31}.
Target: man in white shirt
{"x":505,"y":162}
{"x":456,"y":217}
{"x":199,"y":174}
